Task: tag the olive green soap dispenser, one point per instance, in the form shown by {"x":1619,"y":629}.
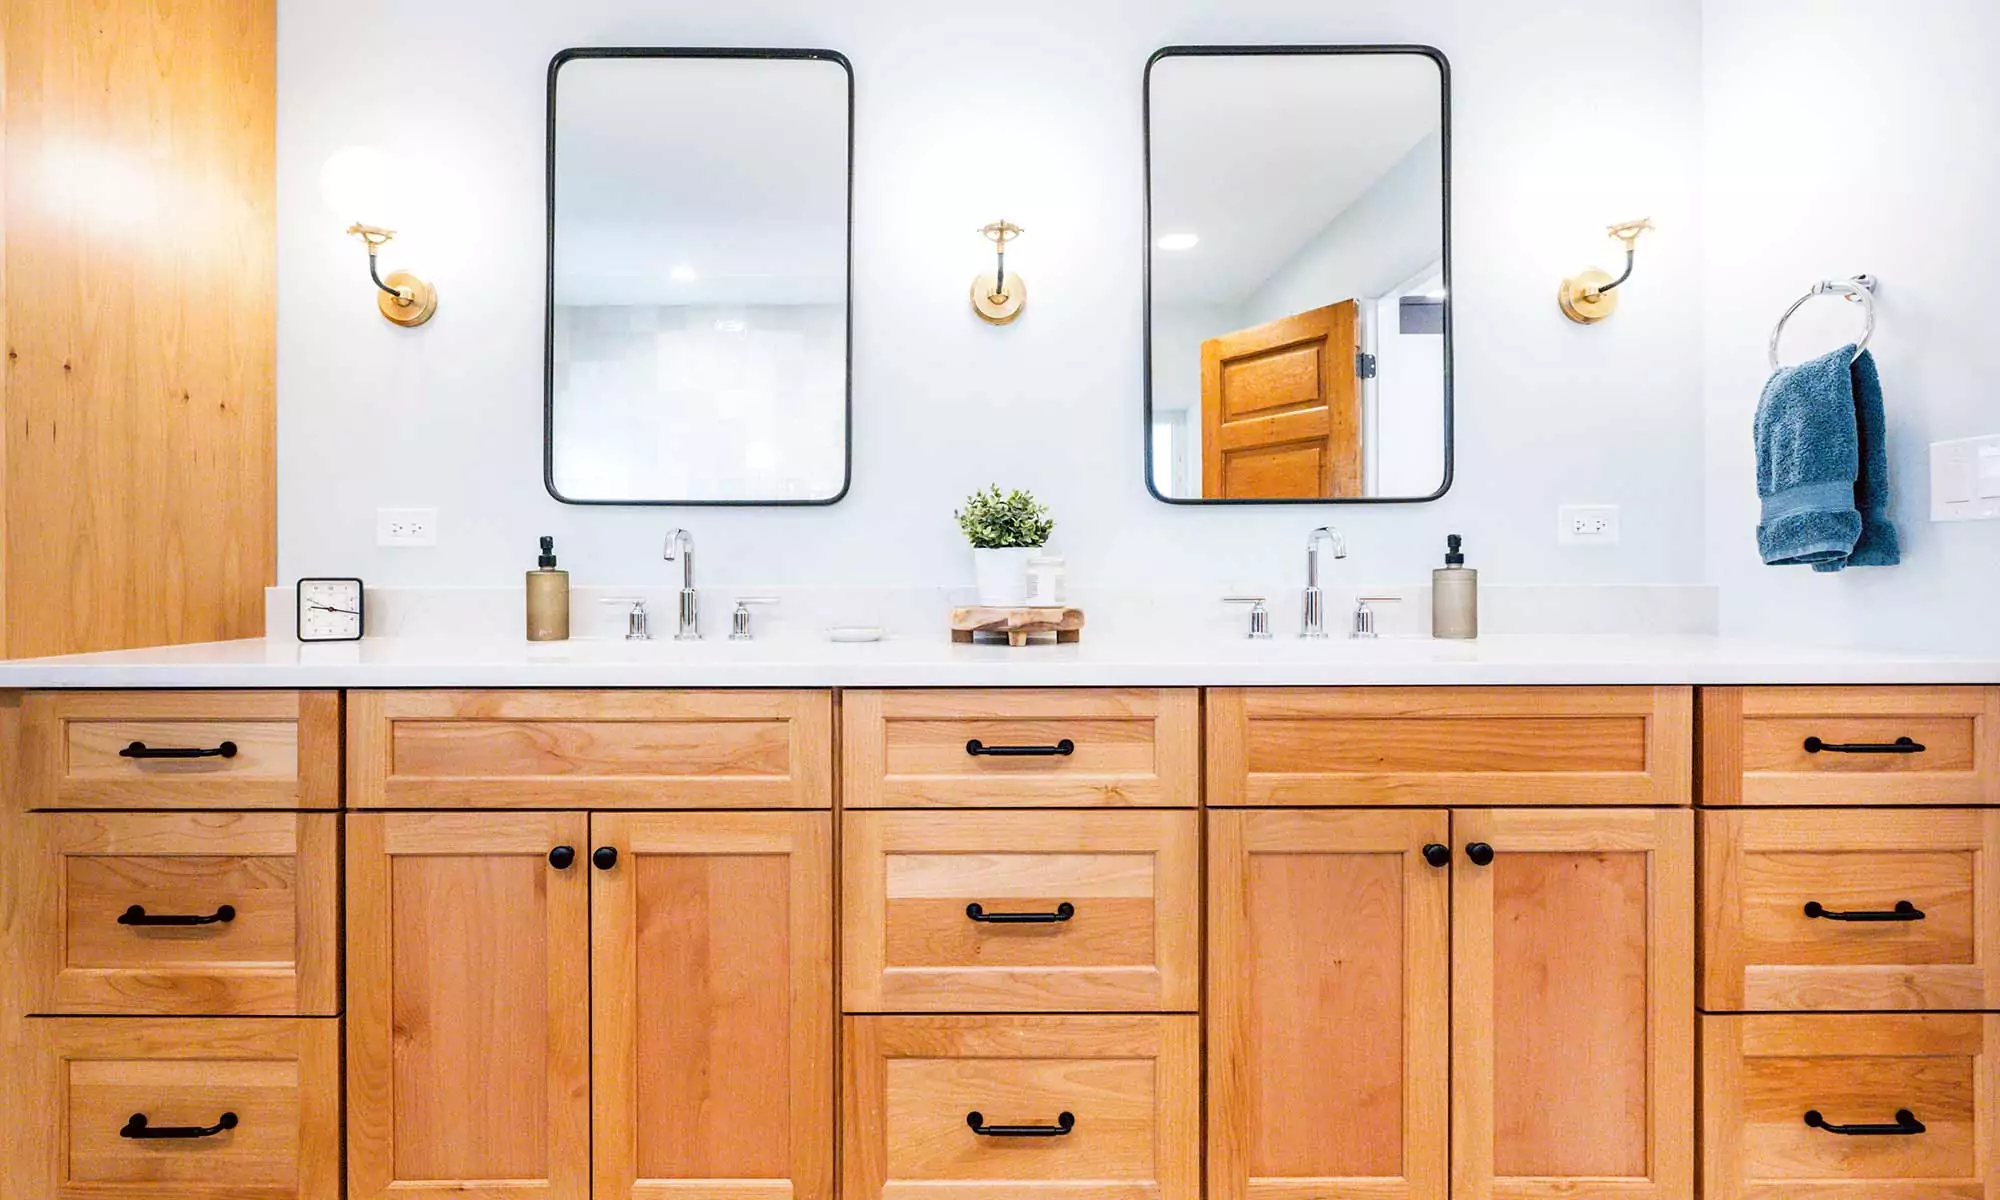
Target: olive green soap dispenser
{"x":548,"y":598}
{"x":1454,"y":595}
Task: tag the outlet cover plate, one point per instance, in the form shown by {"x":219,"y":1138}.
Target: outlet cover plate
{"x":406,"y":526}
{"x":1587,"y":525}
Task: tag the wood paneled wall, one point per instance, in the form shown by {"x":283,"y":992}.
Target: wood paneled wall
{"x":137,"y":305}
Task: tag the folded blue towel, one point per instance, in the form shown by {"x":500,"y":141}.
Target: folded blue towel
{"x":1823,"y":466}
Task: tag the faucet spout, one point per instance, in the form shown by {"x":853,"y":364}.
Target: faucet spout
{"x":680,"y":546}
{"x":1314,"y":623}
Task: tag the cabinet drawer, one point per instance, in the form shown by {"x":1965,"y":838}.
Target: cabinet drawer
{"x":1074,"y":1108}
{"x":1021,"y":748}
{"x":1850,"y":745}
{"x":182,"y":913}
{"x":92,"y":1083}
{"x":590,"y":749}
{"x":1086,"y":911}
{"x":1845,"y":909}
{"x":1431,"y":747}
{"x":181,"y":749}
{"x":1762,"y":1075}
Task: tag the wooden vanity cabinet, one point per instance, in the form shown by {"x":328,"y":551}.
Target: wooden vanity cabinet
{"x":1550,"y":949}
{"x":577,"y":1005}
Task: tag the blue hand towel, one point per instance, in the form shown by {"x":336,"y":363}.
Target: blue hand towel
{"x":1823,"y":467}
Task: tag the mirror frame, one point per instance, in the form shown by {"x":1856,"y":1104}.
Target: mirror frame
{"x":1450,"y":303}
{"x":556,"y":65}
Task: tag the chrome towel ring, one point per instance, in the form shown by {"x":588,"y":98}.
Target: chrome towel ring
{"x":1858,"y":290}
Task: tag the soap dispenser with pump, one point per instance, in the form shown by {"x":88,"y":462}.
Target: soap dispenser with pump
{"x":1454,"y":595}
{"x":548,"y":598}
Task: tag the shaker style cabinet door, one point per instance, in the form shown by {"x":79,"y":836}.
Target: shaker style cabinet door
{"x":1572,"y":1004}
{"x":1329,"y":939}
{"x":468,"y":1006}
{"x":712,"y":1045}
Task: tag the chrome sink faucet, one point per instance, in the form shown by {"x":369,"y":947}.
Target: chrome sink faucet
{"x":680,"y":545}
{"x":1315,"y":600}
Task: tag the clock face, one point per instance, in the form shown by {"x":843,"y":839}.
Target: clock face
{"x":329,"y":610}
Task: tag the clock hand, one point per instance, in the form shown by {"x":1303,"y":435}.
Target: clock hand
{"x":330,"y":608}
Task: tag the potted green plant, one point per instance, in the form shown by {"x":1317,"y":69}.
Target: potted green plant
{"x":1005,"y":530}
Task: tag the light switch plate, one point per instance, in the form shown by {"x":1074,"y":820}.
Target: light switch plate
{"x":406,"y":526}
{"x":1587,"y":525}
{"x":1965,"y":479}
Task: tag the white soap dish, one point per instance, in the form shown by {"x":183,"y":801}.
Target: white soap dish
{"x":854,"y":633}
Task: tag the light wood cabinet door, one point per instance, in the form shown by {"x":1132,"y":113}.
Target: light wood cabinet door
{"x":1328,"y":1006}
{"x":712,"y":1046}
{"x":1573,"y":1004}
{"x":468,"y":1006}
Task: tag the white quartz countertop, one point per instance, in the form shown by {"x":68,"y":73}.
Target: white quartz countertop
{"x":933,"y":661}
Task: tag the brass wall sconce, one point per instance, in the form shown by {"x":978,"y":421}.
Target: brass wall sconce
{"x":998,"y":297}
{"x":402,"y":297}
{"x":1586,"y":297}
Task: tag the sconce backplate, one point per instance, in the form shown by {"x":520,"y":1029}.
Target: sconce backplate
{"x":423,"y":299}
{"x":1002,"y":306}
{"x":1582,"y":300}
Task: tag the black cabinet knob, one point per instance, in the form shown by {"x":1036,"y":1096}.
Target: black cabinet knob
{"x":1437,"y":854}
{"x":604,"y":857}
{"x":1479,"y":852}
{"x":561,"y":857}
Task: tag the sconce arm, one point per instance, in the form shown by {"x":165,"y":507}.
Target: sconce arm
{"x":403,"y":298}
{"x":1630,"y":253}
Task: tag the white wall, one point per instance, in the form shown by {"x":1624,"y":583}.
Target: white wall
{"x":450,"y":414}
{"x":1843,"y":137}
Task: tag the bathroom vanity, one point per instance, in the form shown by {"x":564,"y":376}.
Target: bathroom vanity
{"x":1134,"y":942}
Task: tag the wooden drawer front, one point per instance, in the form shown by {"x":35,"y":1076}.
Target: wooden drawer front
{"x":87,"y":1077}
{"x":1763,"y":1074}
{"x":274,"y":876}
{"x":1754,"y":745}
{"x":1763,"y":952}
{"x":1131,"y":747}
{"x":590,"y":749}
{"x":1428,"y":747}
{"x":1131,"y":881}
{"x":1129,"y":1084}
{"x":276,"y":749}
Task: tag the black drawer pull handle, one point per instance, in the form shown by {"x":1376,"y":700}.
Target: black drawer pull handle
{"x":979,"y":749}
{"x":137,"y":915}
{"x":1904,"y":911}
{"x":1064,"y":1123}
{"x":142,"y":750}
{"x":1063,"y":912}
{"x":1906,"y":1125}
{"x":136,"y":1127}
{"x":1901,"y":745}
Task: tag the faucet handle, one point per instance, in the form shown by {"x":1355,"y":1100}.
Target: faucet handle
{"x":1260,"y":617}
{"x":1364,"y":616}
{"x":739,"y":621}
{"x":636,"y":622}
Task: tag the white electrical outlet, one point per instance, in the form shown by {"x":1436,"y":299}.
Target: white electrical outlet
{"x":1587,"y":525}
{"x":406,"y":526}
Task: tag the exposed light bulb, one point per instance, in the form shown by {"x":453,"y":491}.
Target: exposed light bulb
{"x":354,"y":183}
{"x":682,"y":274}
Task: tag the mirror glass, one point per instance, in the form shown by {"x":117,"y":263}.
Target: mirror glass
{"x":698,"y":332}
{"x":1298,"y":312}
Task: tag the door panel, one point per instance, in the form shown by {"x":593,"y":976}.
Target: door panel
{"x":1573,"y":1003}
{"x":1328,"y":1010}
{"x":712,"y":994}
{"x":1280,"y":409}
{"x":468,"y":1006}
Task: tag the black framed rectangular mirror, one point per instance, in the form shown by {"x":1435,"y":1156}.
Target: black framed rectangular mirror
{"x":699,"y":336}
{"x":1298,"y":274}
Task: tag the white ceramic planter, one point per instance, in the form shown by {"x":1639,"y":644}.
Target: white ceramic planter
{"x":1002,"y":575}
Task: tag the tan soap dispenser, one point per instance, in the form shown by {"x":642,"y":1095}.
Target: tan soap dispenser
{"x":1454,"y":595}
{"x":548,"y":598}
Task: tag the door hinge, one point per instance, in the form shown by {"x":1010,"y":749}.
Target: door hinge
{"x":1364,"y":364}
